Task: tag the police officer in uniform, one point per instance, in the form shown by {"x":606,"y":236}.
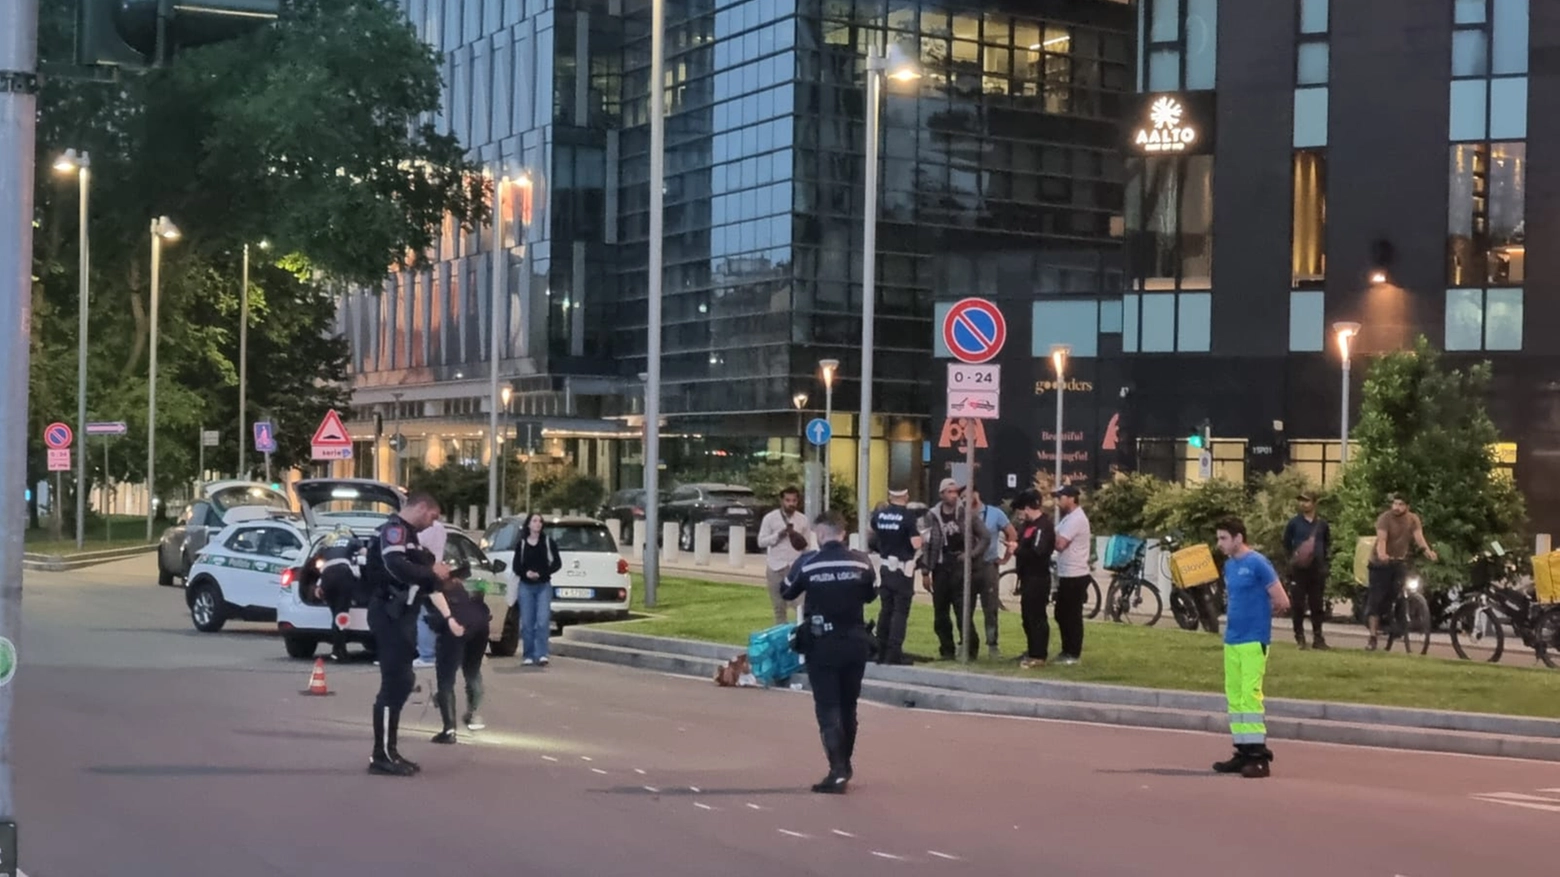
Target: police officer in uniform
{"x":337,"y":565}
{"x":838,"y":583}
{"x":896,"y":539}
{"x":405,"y":578}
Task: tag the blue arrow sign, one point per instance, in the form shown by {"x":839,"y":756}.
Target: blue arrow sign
{"x":819,"y":431}
{"x":265,"y":437}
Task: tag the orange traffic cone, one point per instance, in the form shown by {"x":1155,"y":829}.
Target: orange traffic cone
{"x":317,"y":680}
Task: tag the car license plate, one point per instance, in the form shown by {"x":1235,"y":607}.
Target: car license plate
{"x":574,"y":593}
{"x":737,"y":512}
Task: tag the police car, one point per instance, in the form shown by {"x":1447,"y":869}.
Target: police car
{"x":594,"y":584}
{"x":305,"y":621}
{"x":235,"y":576}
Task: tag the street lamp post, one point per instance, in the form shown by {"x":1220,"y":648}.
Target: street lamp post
{"x":656,"y":264}
{"x":829,"y":366}
{"x":397,"y":441}
{"x":1059,"y":353}
{"x":81,"y":165}
{"x":893,"y":64}
{"x":243,"y":364}
{"x":1346,"y":332}
{"x":800,"y":401}
{"x":163,"y":229}
{"x":494,"y":340}
{"x":505,"y":395}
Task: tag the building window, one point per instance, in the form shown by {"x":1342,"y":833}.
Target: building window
{"x":1306,"y":320}
{"x":1480,"y":319}
{"x":1175,"y":460}
{"x":1170,"y":222}
{"x":1167,"y":323}
{"x":1319,"y":459}
{"x":1489,"y":68}
{"x":1313,"y":16}
{"x":1075,"y":323}
{"x":1486,"y":218}
{"x":1308,"y":244}
{"x":1181,"y":49}
{"x":1310,"y":117}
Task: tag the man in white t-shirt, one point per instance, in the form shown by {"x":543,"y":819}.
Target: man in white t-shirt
{"x":783,"y":536}
{"x":1073,"y":539}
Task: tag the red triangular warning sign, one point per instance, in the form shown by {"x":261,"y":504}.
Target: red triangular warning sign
{"x":332,"y":432}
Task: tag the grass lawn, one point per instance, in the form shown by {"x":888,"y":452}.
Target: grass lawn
{"x":1158,"y":657}
{"x":120,"y":531}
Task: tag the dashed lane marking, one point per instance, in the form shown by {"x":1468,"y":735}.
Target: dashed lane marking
{"x":548,"y":758}
{"x":935,"y":854}
{"x":883,"y":855}
{"x":598,"y":770}
{"x":843,"y":833}
{"x":752,"y":806}
{"x":789,"y":833}
{"x":652,"y":790}
{"x":702,"y":806}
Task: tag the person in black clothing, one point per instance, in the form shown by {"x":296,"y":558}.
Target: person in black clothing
{"x":896,"y":540}
{"x":1036,"y":542}
{"x":405,"y":577}
{"x":1308,"y":544}
{"x":459,"y":651}
{"x":536,"y":561}
{"x":338,"y":579}
{"x":838,"y":584}
{"x":942,"y":565}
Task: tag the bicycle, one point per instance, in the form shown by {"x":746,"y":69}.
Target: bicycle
{"x":1091,"y":604}
{"x":1480,"y":619}
{"x":1410,"y":616}
{"x":1129,"y":591}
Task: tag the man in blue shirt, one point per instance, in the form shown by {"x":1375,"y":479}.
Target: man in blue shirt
{"x":1255,"y":593}
{"x":1004,"y":537}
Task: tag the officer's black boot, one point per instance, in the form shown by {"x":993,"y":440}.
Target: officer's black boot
{"x":839,"y":774}
{"x":382,"y":762}
{"x":848,"y":750}
{"x":446,"y":703}
{"x":392,"y":735}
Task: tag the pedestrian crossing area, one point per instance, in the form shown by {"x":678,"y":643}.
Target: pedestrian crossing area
{"x":1538,"y":799}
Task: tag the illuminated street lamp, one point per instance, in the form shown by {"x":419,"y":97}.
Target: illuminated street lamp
{"x":162,"y":230}
{"x":81,"y":165}
{"x":1346,"y":332}
{"x":1059,"y":353}
{"x":243,"y":362}
{"x":829,"y":366}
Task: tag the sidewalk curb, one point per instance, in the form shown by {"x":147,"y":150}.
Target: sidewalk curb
{"x":67,"y":562}
{"x":1314,"y":721}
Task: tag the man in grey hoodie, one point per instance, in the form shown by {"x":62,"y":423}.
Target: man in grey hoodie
{"x":942,"y":564}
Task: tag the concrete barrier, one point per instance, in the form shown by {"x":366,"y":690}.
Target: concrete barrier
{"x":701,"y":543}
{"x":639,"y":533}
{"x":615,"y":527}
{"x":736,"y":546}
{"x":670,"y":547}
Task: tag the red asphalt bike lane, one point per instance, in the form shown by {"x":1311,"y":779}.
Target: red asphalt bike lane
{"x":594,"y":770}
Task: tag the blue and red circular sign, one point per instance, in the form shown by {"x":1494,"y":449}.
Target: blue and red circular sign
{"x":974,"y":330}
{"x":58,"y":436}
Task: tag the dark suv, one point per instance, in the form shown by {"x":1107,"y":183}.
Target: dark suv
{"x":722,"y":505}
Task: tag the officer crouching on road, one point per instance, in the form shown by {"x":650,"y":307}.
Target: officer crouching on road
{"x":838,"y":584}
{"x":895,"y":537}
{"x":405,"y":577}
{"x":338,"y":578}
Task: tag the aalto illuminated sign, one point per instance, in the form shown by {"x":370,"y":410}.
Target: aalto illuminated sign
{"x":1167,"y":130}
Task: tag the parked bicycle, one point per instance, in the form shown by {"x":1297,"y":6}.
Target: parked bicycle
{"x":1480,"y":619}
{"x":1131,"y":597}
{"x":1007,"y":583}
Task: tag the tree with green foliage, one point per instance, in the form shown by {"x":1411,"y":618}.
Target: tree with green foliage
{"x":1424,"y":432}
{"x":1120,"y":505}
{"x":313,"y":134}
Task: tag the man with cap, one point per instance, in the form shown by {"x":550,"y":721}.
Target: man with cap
{"x":1073,"y":537}
{"x":896,"y":540}
{"x":942,"y":564}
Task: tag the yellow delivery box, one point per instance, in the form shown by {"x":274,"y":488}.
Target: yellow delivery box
{"x":1193,"y":566}
{"x":1546,"y":577}
{"x":1363,"y":550}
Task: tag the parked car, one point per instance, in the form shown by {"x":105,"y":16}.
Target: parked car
{"x":594,"y":584}
{"x":203,"y":518}
{"x":721,"y":505}
{"x":305,"y":620}
{"x":625,"y":507}
{"x":234,"y":577}
{"x":360,"y":504}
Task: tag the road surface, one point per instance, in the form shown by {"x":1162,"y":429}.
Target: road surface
{"x":145,"y":748}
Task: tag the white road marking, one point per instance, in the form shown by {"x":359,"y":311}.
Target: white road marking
{"x":598,"y":770}
{"x":1516,"y":796}
{"x":702,"y":806}
{"x":752,"y":806}
{"x":1552,"y":807}
{"x":548,"y":758}
{"x":888,"y":856}
{"x":843,"y":833}
{"x":652,"y":790}
{"x":585,"y":758}
{"x":638,"y":771}
{"x":942,"y":855}
{"x":694,"y":789}
{"x":789,"y":833}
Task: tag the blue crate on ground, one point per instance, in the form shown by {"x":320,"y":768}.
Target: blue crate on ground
{"x":1121,"y":551}
{"x":769,"y":653}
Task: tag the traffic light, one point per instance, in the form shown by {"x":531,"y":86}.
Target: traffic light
{"x":146,"y":33}
{"x":1202,"y":439}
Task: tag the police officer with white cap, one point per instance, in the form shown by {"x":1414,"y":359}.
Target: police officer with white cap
{"x":896,"y":540}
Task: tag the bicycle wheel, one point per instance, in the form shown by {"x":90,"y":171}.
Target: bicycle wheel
{"x":1476,"y":626}
{"x":1418,"y":632}
{"x":1114,"y":598}
{"x":1007,"y":583}
{"x":1184,"y":609}
{"x":1546,"y":637}
{"x":1093,"y":604}
{"x":1146,"y":604}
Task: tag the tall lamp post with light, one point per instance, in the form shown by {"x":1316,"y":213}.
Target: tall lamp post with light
{"x":80,"y":164}
{"x":162,"y":230}
{"x":506,"y":394}
{"x":829,"y":367}
{"x":893,"y":63}
{"x":1059,"y":353}
{"x":243,"y":363}
{"x":1346,"y":333}
{"x":499,"y":274}
{"x":800,"y":401}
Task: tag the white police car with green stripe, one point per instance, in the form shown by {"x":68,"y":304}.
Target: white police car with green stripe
{"x":235,"y":575}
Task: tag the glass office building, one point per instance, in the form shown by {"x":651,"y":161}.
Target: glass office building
{"x":999,"y":175}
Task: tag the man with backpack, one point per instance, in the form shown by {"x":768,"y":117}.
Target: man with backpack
{"x":1308,"y":544}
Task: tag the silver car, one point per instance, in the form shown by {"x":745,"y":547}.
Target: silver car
{"x":204,"y":518}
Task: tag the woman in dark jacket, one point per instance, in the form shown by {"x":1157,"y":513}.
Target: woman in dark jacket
{"x":536,"y":562}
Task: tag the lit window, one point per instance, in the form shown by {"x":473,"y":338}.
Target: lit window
{"x":1306,"y":333}
{"x":1310,"y":117}
{"x":1062,"y":321}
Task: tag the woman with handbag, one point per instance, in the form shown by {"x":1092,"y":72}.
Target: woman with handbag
{"x":536,"y":562}
{"x":1308,"y":544}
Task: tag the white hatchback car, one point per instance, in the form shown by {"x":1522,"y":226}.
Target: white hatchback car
{"x":234,"y":576}
{"x":594,"y":584}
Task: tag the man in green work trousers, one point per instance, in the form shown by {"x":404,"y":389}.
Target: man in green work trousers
{"x":1255,"y":593}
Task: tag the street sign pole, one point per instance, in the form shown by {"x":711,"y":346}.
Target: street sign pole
{"x":969,"y":515}
{"x":200,"y":474}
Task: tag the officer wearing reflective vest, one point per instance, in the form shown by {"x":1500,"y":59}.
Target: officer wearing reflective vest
{"x":895,"y":537}
{"x":405,"y":577}
{"x":838,"y":583}
{"x":337,"y":564}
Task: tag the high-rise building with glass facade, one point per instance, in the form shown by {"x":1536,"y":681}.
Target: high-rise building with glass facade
{"x":1000,"y":174}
